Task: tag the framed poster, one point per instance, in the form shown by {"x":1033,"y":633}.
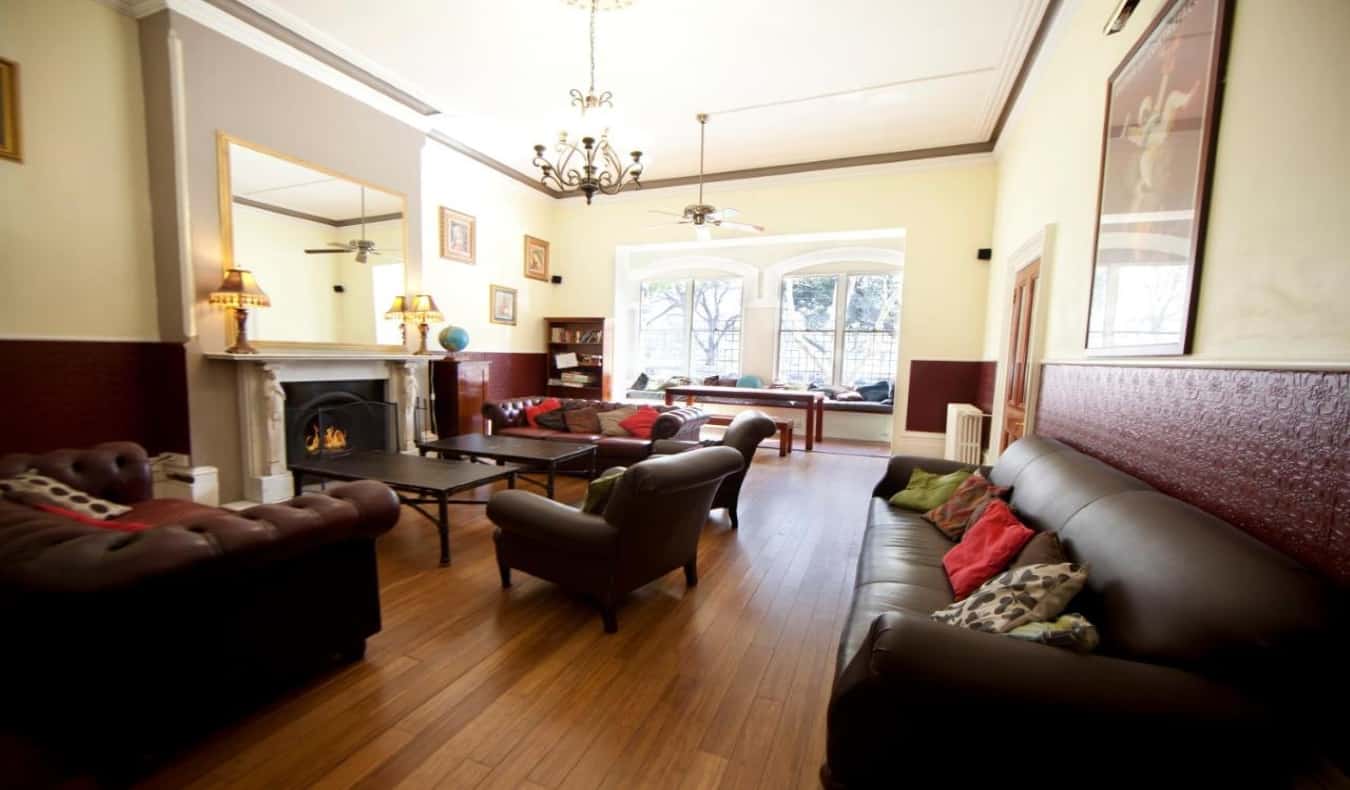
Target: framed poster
{"x":9,"y":111}
{"x":502,"y":304}
{"x":536,"y":258}
{"x":1162,"y":113}
{"x":457,"y":235}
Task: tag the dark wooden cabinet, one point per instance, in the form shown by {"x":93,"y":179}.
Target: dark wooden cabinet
{"x":461,"y":387}
{"x":592,"y":341}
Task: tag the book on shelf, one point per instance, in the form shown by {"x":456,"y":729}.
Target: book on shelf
{"x":561,"y":334}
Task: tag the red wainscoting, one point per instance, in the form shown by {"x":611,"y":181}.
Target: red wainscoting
{"x":1267,"y":450}
{"x":935,"y":383}
{"x":74,"y":393}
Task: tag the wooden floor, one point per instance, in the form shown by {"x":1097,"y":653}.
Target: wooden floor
{"x":471,"y":686}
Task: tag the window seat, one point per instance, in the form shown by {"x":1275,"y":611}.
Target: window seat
{"x":854,"y":406}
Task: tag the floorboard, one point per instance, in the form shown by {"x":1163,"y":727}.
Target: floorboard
{"x":471,"y":686}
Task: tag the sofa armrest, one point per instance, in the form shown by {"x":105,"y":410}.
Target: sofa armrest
{"x":119,"y":471}
{"x":684,"y":422}
{"x":552,"y":523}
{"x":674,"y":446}
{"x":901,"y":466}
{"x":915,"y":681}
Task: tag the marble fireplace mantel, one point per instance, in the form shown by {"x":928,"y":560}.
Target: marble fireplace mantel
{"x":262,"y":404}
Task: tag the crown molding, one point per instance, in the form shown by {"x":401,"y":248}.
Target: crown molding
{"x":135,"y":8}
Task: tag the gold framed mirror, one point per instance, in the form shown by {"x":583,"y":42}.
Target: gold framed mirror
{"x":329,"y":250}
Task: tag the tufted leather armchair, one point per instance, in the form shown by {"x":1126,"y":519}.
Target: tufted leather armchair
{"x":181,"y":623}
{"x":507,"y":417}
{"x":650,"y":527}
{"x":743,"y":435}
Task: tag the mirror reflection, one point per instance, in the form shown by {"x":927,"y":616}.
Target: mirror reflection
{"x":329,"y":251}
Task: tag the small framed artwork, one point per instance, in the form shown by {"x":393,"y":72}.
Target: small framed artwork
{"x":458,"y":234}
{"x":536,"y":258}
{"x":502,"y":302}
{"x":9,"y":111}
{"x":1161,"y":121}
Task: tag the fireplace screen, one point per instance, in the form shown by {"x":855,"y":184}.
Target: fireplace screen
{"x":336,"y":423}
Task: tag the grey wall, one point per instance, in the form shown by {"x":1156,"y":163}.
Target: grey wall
{"x":231,"y":88}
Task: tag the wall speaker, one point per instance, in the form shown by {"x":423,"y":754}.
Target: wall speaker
{"x":556,"y":279}
{"x":339,"y":289}
{"x":985,"y":254}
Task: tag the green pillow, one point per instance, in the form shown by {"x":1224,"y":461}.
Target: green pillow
{"x":600,"y":489}
{"x":927,"y":490}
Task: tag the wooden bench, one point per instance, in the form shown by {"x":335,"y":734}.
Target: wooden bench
{"x":784,"y":427}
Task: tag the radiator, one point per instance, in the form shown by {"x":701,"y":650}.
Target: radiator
{"x":964,"y":426}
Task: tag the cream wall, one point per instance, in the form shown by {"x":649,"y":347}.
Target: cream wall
{"x":75,"y":215}
{"x":505,"y":211}
{"x":944,"y":206}
{"x":1275,"y":261}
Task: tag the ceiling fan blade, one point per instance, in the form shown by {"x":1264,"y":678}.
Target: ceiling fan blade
{"x":744,"y":227}
{"x":347,"y":246}
{"x":726,"y":213}
{"x":325,"y":249}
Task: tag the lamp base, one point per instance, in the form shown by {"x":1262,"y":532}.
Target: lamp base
{"x":422,"y":346}
{"x":241,"y":345}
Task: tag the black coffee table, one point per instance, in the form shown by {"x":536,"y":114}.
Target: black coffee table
{"x":534,"y":453}
{"x":429,"y":480}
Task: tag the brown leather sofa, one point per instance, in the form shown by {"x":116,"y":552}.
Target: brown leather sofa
{"x":650,"y":527}
{"x":1217,"y":654}
{"x":743,"y":435}
{"x":507,"y":418}
{"x":118,"y":644}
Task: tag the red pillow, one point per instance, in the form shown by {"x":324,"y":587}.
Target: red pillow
{"x":640,"y":424}
{"x":545,"y":405}
{"x":120,"y":526}
{"x":987,"y":548}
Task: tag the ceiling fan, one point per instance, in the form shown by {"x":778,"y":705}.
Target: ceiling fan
{"x":701,"y":215}
{"x":363,"y":247}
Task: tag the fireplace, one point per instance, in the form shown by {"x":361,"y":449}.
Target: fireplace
{"x":329,"y":418}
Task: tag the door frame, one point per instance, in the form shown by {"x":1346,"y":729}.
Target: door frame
{"x":1040,"y":246}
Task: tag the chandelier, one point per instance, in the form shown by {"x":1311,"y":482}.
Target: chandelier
{"x":589,"y":165}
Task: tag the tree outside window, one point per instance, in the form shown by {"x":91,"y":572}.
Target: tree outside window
{"x":817,"y":347}
{"x":690,"y":327}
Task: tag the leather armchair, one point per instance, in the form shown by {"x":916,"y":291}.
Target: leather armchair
{"x":744,"y":435}
{"x":650,"y":527}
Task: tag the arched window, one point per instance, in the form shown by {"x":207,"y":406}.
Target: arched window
{"x":690,"y":326}
{"x":838,"y":328}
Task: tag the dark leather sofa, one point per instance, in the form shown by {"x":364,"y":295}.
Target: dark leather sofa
{"x":507,"y":418}
{"x":650,"y":527}
{"x":1219,"y":661}
{"x":117,"y":644}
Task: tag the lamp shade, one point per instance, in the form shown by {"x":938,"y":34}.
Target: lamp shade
{"x":424,"y":310}
{"x":239,"y":289}
{"x":398,"y":310}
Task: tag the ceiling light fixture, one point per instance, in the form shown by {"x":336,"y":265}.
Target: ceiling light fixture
{"x":593,"y":166}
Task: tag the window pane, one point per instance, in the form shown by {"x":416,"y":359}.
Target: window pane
{"x":662,"y":327}
{"x":806,"y":330}
{"x":871,"y":317}
{"x":716,"y":328}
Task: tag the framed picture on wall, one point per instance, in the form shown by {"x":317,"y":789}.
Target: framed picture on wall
{"x":458,"y":232}
{"x":502,"y":303}
{"x":536,"y":258}
{"x":9,"y":111}
{"x":1162,"y":118}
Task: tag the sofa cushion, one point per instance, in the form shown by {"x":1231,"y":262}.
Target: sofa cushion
{"x":899,"y":546}
{"x":1016,"y":597}
{"x":927,"y":490}
{"x":1042,"y":549}
{"x":1051,"y":482}
{"x":954,"y":516}
{"x":640,"y":422}
{"x":552,"y":420}
{"x":609,"y":420}
{"x":878,"y":598}
{"x":599,"y":490}
{"x":988,"y":547}
{"x":542,"y":407}
{"x":166,"y":511}
{"x":61,"y":495}
{"x":1071,"y":631}
{"x":584,"y":420}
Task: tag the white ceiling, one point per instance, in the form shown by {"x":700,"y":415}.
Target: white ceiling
{"x":500,"y":71}
{"x":278,"y":182}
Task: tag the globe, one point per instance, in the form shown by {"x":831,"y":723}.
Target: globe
{"x":454,"y":338}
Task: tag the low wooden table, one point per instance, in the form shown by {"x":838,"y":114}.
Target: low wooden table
{"x":783,"y":425}
{"x":813,"y":403}
{"x":429,"y":480}
{"x":541,"y":454}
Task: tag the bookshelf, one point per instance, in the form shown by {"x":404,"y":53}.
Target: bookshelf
{"x":592,"y":341}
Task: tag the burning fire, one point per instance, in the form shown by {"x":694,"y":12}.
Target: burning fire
{"x":331,"y":439}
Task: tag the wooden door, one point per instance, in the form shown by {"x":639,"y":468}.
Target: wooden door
{"x":1019,"y":340}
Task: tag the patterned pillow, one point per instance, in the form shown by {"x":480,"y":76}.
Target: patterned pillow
{"x":601,"y":489}
{"x":960,"y":511}
{"x":61,"y":495}
{"x":1017,"y":597}
{"x":553,"y":420}
{"x":927,"y":490}
{"x":609,"y":421}
{"x":1072,"y":631}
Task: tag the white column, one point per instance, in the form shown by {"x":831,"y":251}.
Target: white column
{"x":262,"y":421}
